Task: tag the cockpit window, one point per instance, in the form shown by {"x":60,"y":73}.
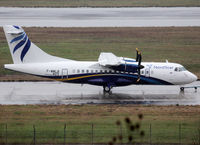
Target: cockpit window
{"x":182,"y":69}
{"x":179,"y":69}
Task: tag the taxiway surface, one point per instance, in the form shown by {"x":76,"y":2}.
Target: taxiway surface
{"x":100,"y":17}
{"x":64,"y":93}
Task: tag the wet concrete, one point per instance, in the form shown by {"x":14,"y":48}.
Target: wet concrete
{"x":100,"y":17}
{"x":64,"y":93}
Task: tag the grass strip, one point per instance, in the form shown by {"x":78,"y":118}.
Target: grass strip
{"x":49,"y":123}
{"x":99,"y":3}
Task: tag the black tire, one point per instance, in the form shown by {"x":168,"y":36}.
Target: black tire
{"x":106,"y":89}
{"x":182,"y":89}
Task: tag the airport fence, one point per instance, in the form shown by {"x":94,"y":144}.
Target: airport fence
{"x":98,"y":134}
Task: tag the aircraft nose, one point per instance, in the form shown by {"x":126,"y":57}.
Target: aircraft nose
{"x":190,"y":77}
{"x":194,"y":77}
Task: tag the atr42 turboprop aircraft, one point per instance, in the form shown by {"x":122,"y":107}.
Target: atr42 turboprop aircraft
{"x":109,"y":71}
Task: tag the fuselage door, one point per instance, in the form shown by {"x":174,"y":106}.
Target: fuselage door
{"x":64,"y":73}
{"x":147,"y":72}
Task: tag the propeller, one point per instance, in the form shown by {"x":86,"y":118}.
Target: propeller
{"x":139,"y":59}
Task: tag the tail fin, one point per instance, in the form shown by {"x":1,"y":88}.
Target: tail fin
{"x":23,"y":50}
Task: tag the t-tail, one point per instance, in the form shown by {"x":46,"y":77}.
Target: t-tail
{"x":23,"y":50}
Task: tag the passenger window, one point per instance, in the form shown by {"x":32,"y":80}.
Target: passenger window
{"x":82,"y":71}
{"x":73,"y":71}
{"x":78,"y":71}
{"x":96,"y":71}
{"x":142,"y":72}
{"x":87,"y":71}
{"x":101,"y":71}
{"x":91,"y":71}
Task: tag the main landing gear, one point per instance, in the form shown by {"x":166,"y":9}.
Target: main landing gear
{"x":107,"y":89}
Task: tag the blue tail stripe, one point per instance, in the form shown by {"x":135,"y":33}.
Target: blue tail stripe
{"x":25,"y":50}
{"x":20,"y":44}
{"x":17,"y":38}
{"x":17,"y":27}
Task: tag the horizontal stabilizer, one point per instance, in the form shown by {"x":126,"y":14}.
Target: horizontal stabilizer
{"x":15,"y":30}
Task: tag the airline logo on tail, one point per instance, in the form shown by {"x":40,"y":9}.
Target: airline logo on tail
{"x":22,"y":40}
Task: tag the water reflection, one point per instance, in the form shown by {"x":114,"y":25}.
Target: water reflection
{"x":62,"y":93}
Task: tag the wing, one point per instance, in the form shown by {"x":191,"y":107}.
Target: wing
{"x":108,"y":59}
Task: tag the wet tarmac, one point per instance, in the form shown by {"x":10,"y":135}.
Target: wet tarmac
{"x":100,"y":17}
{"x":64,"y":93}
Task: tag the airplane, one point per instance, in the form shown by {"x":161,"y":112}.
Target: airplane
{"x":109,"y":71}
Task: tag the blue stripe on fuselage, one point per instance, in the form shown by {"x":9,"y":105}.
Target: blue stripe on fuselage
{"x":103,"y":78}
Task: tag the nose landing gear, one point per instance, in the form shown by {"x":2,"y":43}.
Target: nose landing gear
{"x":183,"y":88}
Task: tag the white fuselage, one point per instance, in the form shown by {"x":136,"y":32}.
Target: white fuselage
{"x":77,"y":70}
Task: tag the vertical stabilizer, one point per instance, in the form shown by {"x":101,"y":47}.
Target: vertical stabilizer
{"x":23,"y":50}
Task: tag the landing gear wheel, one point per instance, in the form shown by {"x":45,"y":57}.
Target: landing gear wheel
{"x":106,"y":89}
{"x":195,"y":89}
{"x":182,"y":89}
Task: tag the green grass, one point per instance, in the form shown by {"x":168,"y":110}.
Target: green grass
{"x":176,"y":44}
{"x":100,"y":3}
{"x":49,"y":123}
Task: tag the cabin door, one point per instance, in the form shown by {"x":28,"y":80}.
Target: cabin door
{"x":147,"y":72}
{"x":64,"y":73}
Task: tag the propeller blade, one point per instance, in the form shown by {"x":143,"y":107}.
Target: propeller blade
{"x":139,"y":60}
{"x":137,"y":54}
{"x":138,"y":79}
